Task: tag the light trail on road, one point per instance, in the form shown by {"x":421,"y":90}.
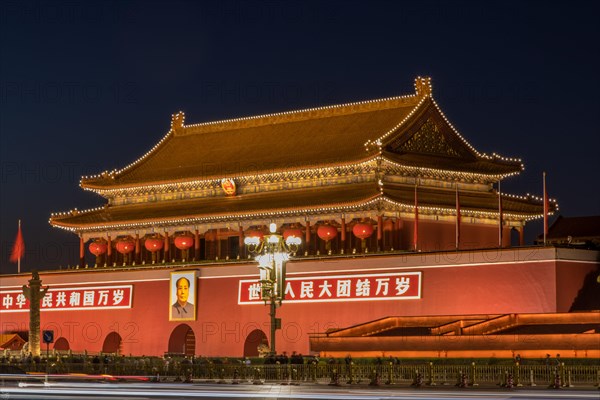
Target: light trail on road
{"x":134,"y":391}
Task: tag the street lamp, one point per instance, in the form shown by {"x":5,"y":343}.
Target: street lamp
{"x":272,"y":252}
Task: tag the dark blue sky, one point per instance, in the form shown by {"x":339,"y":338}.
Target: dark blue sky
{"x":89,"y":86}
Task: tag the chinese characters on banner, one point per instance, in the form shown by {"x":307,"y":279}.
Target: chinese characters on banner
{"x":394,"y":286}
{"x":84,"y":298}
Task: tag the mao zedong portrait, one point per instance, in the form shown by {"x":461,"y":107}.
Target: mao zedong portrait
{"x":182,"y":308}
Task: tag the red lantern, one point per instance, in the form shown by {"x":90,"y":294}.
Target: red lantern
{"x":327,"y":232}
{"x":153,"y":244}
{"x":362,"y":230}
{"x":98,"y":248}
{"x":184,"y":242}
{"x":294,"y":232}
{"x":125,"y":246}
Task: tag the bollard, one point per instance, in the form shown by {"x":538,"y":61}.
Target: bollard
{"x":285,"y":376}
{"x":462,"y":380}
{"x":509,"y":381}
{"x":445,"y":378}
{"x":335,"y":378}
{"x":221,"y":376}
{"x":556,"y":384}
{"x":295,"y":377}
{"x":277,"y":371}
{"x":418,"y":380}
{"x":210,"y":371}
{"x":473,"y":380}
{"x":431,"y":381}
{"x":256,"y":380}
{"x":569,"y":382}
{"x":374,"y":378}
{"x":313,"y":371}
{"x":350,"y":373}
{"x":531,"y":382}
{"x":390,"y":373}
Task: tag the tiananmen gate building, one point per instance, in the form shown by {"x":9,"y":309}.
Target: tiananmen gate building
{"x":408,"y":248}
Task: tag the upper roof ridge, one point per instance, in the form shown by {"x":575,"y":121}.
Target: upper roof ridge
{"x":422,"y":89}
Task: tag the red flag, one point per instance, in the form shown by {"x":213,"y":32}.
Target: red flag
{"x":458,"y":216}
{"x":546,"y":209}
{"x":19,"y":247}
{"x":416,"y":228}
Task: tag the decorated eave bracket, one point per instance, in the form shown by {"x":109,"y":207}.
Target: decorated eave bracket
{"x":178,"y":122}
{"x":379,"y":203}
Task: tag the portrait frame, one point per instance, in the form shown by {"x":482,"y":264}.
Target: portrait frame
{"x":174,"y":311}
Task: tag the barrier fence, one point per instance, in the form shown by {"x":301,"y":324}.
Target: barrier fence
{"x":236,"y":371}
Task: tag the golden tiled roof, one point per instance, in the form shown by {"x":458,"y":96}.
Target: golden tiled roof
{"x":288,"y":141}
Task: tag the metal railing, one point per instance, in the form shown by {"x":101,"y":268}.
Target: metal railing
{"x":354,"y":373}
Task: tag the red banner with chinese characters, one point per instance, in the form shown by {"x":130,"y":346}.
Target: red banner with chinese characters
{"x":73,"y":298}
{"x":394,"y":286}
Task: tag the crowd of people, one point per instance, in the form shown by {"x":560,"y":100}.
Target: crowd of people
{"x":294,"y":359}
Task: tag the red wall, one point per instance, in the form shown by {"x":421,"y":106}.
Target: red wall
{"x":441,"y":236}
{"x":492,"y":282}
{"x":569,"y":279}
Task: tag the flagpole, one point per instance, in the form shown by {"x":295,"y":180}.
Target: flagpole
{"x":499,"y":216}
{"x":457,"y":219}
{"x":416,"y":227}
{"x":19,"y":260}
{"x":545,"y":207}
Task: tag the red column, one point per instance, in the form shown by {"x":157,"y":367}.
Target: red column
{"x":138,"y":250}
{"x":379,"y":232}
{"x":343,"y":238}
{"x":167,"y":252}
{"x":307,"y":237}
{"x":522,"y":236}
{"x":196,"y":245}
{"x":416,"y":227}
{"x":399,"y":226}
{"x":241,"y":244}
{"x":81,"y":252}
{"x":109,"y":252}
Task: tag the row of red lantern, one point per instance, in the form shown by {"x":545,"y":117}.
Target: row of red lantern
{"x":325,"y":232}
{"x":152,"y":244}
{"x":183,"y":242}
{"x":361,"y":230}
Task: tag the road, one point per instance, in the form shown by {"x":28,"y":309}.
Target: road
{"x":112,"y":391}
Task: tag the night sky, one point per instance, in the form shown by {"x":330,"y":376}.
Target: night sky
{"x":90,"y":86}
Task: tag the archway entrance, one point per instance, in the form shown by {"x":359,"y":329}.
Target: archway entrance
{"x":61,"y":344}
{"x":253,"y":340}
{"x":182,"y":341}
{"x":515,"y":239}
{"x":112,"y":343}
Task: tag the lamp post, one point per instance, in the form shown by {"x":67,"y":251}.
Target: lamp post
{"x":272,"y":252}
